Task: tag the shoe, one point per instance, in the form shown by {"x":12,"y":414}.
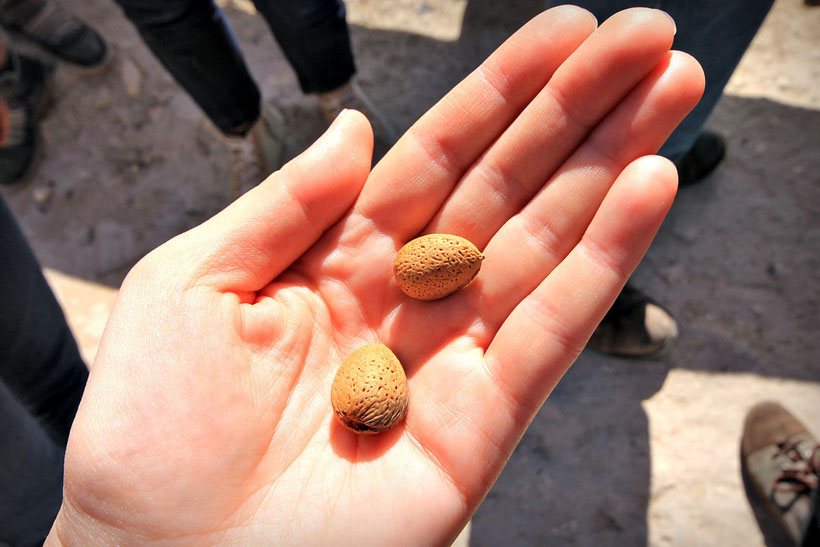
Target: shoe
{"x":26,"y":80}
{"x":24,"y":95}
{"x":635,"y":326}
{"x":19,"y":149}
{"x":353,"y":97}
{"x":55,"y":29}
{"x":258,"y":153}
{"x":705,"y":155}
{"x":782,"y":460}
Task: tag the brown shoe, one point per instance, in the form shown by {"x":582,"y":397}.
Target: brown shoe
{"x":782,"y":459}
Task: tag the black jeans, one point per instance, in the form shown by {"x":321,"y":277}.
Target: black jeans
{"x":192,"y":39}
{"x":42,"y":378}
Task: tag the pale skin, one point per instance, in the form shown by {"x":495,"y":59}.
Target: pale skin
{"x":207,"y":415}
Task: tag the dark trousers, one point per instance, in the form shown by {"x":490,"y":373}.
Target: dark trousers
{"x":192,"y":39}
{"x":42,"y":378}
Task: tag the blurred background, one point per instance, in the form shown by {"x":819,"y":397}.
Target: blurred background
{"x":625,"y":452}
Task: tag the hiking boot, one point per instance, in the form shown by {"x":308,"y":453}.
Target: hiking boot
{"x":705,"y":155}
{"x":635,"y":326}
{"x":55,"y":29}
{"x":24,"y":96}
{"x":352,"y":96}
{"x":258,"y":153}
{"x":782,"y":460}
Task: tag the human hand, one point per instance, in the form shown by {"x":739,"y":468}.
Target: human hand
{"x":207,"y":416}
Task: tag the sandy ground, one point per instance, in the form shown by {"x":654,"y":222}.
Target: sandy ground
{"x":624,"y":452}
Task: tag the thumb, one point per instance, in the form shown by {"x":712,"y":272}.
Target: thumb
{"x":258,"y":236}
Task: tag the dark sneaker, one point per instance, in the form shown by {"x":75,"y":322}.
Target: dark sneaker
{"x":635,"y":326}
{"x":782,"y":460}
{"x":55,"y":29}
{"x":19,"y":148}
{"x":352,"y":96}
{"x":25,"y":80}
{"x":704,"y":156}
{"x":25,"y":96}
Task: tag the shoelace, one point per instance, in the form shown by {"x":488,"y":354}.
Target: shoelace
{"x":803,"y":477}
{"x":52,"y":23}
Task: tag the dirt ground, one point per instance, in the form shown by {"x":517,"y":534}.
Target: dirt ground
{"x":624,"y":452}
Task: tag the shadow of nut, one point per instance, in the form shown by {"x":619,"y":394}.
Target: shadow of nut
{"x":436,"y":265}
{"x":369,"y":392}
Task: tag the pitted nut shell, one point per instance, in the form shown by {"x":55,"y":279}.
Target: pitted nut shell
{"x":369,"y":392}
{"x":436,"y":265}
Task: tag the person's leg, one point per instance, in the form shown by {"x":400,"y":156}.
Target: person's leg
{"x":42,"y":378}
{"x":40,"y":363}
{"x":314,"y":37}
{"x":717,"y":33}
{"x":31,"y":475}
{"x":193,"y":41}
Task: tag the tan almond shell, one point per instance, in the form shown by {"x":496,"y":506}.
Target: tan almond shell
{"x":369,"y":392}
{"x":436,"y":265}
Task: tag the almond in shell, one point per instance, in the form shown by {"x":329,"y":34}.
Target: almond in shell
{"x":369,"y":392}
{"x":436,"y":265}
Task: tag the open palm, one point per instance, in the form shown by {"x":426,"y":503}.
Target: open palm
{"x":207,"y":415}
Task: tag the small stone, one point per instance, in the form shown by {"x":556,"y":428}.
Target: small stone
{"x":42,"y":194}
{"x":131,"y":78}
{"x":103,"y":98}
{"x":156,"y":113}
{"x":772,"y":270}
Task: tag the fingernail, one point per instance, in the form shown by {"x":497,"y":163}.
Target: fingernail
{"x":597,"y":23}
{"x":338,"y":117}
{"x":674,"y":25}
